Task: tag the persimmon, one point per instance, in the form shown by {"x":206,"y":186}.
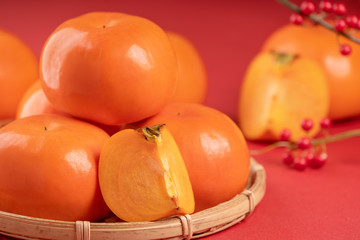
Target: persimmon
{"x":278,"y":92}
{"x":342,"y":72}
{"x":192,"y":82}
{"x":143,"y":176}
{"x":110,"y":68}
{"x":213,"y":148}
{"x":18,"y":70}
{"x":49,"y":168}
{"x":34,"y":102}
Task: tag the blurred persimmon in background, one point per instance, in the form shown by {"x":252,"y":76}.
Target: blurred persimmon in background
{"x":342,"y":72}
{"x":18,"y":70}
{"x":278,"y":92}
{"x":192,"y":80}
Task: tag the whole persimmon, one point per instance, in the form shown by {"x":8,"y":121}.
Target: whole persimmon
{"x":213,"y":148}
{"x":192,"y":82}
{"x":107,"y":67}
{"x":34,"y":102}
{"x":18,"y":70}
{"x":342,"y":72}
{"x":278,"y":92}
{"x":49,"y":168}
{"x":143,"y":176}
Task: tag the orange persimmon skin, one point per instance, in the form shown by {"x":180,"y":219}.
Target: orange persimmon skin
{"x":49,"y":168}
{"x":110,"y":68}
{"x":322,"y":45}
{"x":192,"y":82}
{"x":18,"y":70}
{"x":213,"y":147}
{"x":34,"y":102}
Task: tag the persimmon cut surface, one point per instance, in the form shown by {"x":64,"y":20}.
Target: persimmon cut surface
{"x":49,"y":168}
{"x":213,"y":148}
{"x":18,"y":70}
{"x":322,"y":45}
{"x":278,"y":92}
{"x":143,"y":176}
{"x":110,"y":68}
{"x":192,"y":82}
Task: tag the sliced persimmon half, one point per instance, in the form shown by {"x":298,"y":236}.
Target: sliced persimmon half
{"x":279,"y":91}
{"x":143,"y":175}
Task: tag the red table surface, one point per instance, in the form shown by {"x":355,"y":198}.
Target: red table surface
{"x":314,"y":204}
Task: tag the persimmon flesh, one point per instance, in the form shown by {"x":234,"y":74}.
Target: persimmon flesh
{"x":49,"y":168}
{"x":278,"y":92}
{"x":143,"y":176}
{"x":110,"y":68}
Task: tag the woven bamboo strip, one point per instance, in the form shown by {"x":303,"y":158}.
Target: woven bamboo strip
{"x":196,"y":225}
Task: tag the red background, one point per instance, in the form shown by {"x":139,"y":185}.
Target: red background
{"x":315,"y":204}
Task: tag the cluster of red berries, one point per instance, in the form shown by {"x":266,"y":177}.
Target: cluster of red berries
{"x":305,"y":154}
{"x":327,"y":8}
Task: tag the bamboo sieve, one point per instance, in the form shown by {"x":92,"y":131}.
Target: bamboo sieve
{"x":197,"y":225}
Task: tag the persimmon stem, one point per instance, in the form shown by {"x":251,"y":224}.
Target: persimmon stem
{"x":152,"y":132}
{"x":292,"y":6}
{"x":314,"y":142}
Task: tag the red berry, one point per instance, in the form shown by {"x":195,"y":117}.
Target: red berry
{"x":340,"y":25}
{"x":339,"y":8}
{"x":325,"y":123}
{"x":345,"y":49}
{"x":296,"y":19}
{"x":304,"y":143}
{"x":319,"y":160}
{"x":300,"y":164}
{"x":307,"y":124}
{"x":288,"y":158}
{"x":352,"y":21}
{"x":309,"y":157}
{"x":285,"y":135}
{"x":307,"y":7}
{"x":311,"y":161}
{"x":326,"y":6}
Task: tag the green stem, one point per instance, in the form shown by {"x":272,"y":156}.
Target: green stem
{"x":314,"y":142}
{"x":337,"y":137}
{"x":317,"y":20}
{"x":270,"y":147}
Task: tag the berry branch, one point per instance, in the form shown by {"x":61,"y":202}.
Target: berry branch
{"x":314,"y":142}
{"x":307,"y":151}
{"x":318,"y":19}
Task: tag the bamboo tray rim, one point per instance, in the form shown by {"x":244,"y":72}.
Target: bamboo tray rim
{"x":191,"y":226}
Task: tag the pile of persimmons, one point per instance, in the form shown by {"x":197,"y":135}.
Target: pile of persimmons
{"x":111,"y":120}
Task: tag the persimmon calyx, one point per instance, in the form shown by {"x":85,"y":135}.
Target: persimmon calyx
{"x":152,"y":133}
{"x":284,"y":58}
